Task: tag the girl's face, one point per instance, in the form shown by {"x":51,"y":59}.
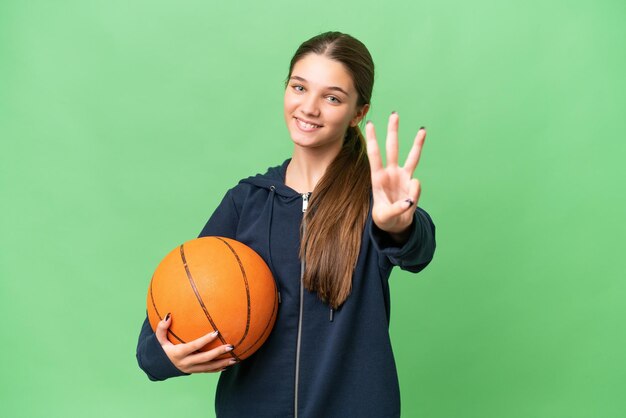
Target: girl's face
{"x":320,"y":103}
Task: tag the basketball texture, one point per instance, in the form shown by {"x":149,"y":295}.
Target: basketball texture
{"x":215,"y":283}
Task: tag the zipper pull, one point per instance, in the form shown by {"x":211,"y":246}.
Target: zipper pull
{"x":305,"y":201}
{"x":331,"y":314}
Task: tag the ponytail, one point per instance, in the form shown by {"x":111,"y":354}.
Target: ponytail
{"x":335,"y":220}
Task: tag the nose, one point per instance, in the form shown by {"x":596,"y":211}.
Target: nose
{"x":309,"y":106}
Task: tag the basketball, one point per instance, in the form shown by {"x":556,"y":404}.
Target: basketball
{"x":215,"y":284}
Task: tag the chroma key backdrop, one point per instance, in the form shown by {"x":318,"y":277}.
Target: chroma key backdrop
{"x":123,"y":123}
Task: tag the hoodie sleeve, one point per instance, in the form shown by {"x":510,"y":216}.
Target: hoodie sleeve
{"x":152,"y":358}
{"x":150,"y":355}
{"x":419,"y":249}
{"x":224,"y":221}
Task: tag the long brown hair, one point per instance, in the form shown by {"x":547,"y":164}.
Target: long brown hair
{"x":338,"y":208}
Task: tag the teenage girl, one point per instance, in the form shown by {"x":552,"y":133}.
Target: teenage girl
{"x":331,"y":222}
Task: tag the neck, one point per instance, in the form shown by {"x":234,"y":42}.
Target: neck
{"x":307,"y":166}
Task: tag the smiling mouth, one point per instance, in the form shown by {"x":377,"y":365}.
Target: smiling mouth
{"x":305,"y":125}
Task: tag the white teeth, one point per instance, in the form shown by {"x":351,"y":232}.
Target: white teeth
{"x":307,"y":125}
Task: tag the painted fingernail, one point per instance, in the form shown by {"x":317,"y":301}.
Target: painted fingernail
{"x":423,"y":127}
{"x":368,"y":122}
{"x":167,"y":317}
{"x":214,"y":333}
{"x":410,"y":202}
{"x":233,"y":361}
{"x":229,"y":348}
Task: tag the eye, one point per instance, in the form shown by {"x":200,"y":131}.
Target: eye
{"x":298,"y":87}
{"x":333,"y":99}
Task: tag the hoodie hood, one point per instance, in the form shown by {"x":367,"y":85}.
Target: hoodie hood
{"x":274,"y":180}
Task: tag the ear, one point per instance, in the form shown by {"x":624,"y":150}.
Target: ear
{"x":360,"y":114}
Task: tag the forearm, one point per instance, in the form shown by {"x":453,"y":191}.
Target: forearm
{"x":151,"y":357}
{"x":412,"y":249}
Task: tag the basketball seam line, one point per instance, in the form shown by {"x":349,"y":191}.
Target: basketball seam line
{"x":245,"y":280}
{"x":159,"y":315}
{"x":264,"y":329}
{"x":200,"y":301}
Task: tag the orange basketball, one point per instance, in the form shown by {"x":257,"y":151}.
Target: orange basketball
{"x":215,"y":283}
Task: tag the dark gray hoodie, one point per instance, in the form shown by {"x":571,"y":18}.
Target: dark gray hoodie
{"x":317,"y":362}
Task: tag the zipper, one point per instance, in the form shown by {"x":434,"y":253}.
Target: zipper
{"x":305,"y":205}
{"x":305,"y":201}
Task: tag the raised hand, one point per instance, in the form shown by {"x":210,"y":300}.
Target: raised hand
{"x":395,"y":191}
{"x":186,"y":357}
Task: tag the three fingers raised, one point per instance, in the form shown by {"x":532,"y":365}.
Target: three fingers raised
{"x":373,"y":151}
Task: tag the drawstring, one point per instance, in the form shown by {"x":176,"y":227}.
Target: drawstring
{"x":269,"y":235}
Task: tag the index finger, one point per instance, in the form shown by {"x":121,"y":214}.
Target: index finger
{"x":373,"y":153}
{"x":198,"y":343}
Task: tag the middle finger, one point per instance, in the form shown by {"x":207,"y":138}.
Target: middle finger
{"x":392,"y":140}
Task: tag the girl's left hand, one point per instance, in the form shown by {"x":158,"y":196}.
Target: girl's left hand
{"x":395,"y":191}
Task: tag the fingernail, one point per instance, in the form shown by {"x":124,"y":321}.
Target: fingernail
{"x":167,"y":317}
{"x":229,"y":348}
{"x":233,"y":361}
{"x":394,"y":113}
{"x":423,"y":127}
{"x":214,"y":333}
{"x":368,"y":121}
{"x":410,"y":202}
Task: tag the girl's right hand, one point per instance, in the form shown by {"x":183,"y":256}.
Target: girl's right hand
{"x":187,"y":358}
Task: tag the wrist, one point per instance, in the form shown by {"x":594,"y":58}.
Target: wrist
{"x":397,"y":235}
{"x":400,"y":238}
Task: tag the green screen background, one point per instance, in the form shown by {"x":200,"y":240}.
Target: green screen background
{"x":122,"y":124}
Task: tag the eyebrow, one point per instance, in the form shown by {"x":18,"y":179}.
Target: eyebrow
{"x":329,"y":87}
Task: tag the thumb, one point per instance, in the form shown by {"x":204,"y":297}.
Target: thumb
{"x":399,"y":207}
{"x":161,"y":330}
{"x":410,"y":202}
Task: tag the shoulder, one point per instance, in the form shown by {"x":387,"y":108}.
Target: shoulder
{"x":272,"y":178}
{"x":271,"y":175}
